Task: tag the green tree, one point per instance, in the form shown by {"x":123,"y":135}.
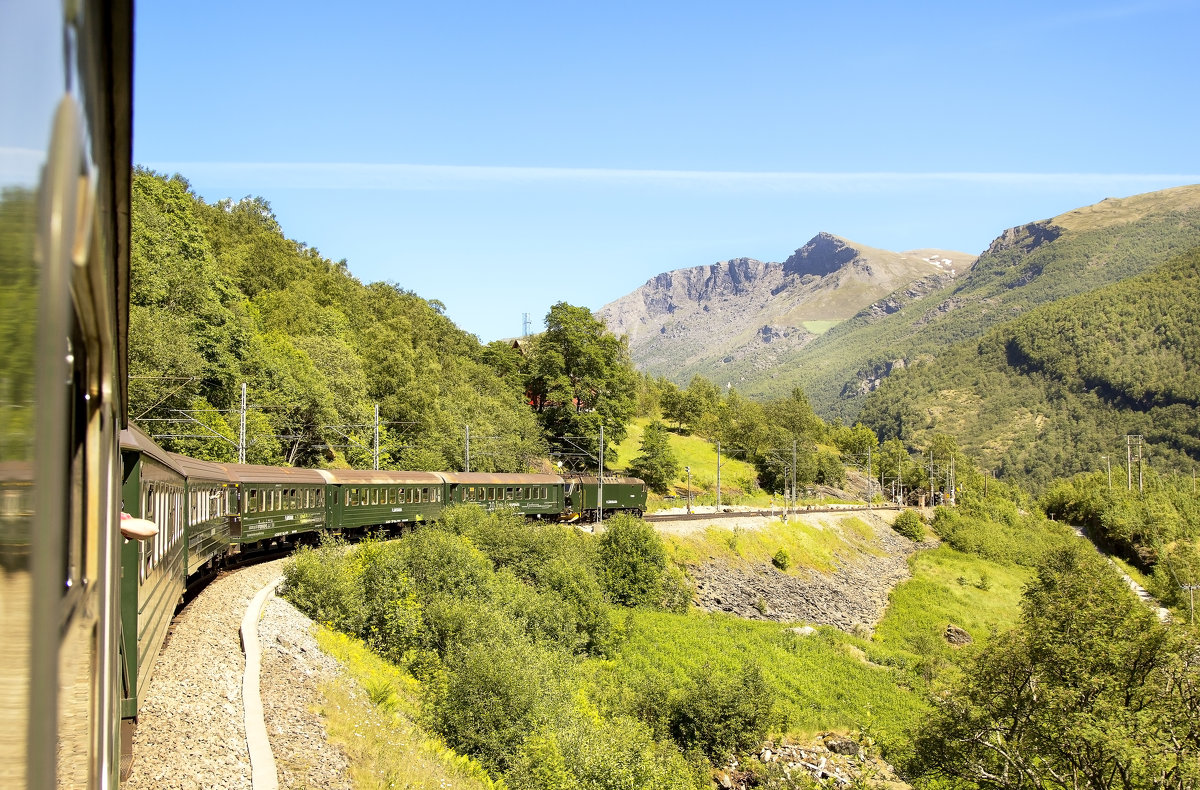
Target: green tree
{"x":656,"y":464}
{"x":632,"y":562}
{"x":1090,"y":691}
{"x":581,"y":378}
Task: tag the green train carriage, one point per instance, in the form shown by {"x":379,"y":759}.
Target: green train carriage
{"x":212,"y":513}
{"x":361,"y":500}
{"x":152,"y":570}
{"x":533,"y":495}
{"x":621,"y":495}
{"x":275,"y":503}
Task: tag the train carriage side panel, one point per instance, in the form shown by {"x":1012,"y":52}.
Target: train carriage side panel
{"x":64,"y":208}
{"x":152,"y":571}
{"x":212,"y":497}
{"x":277,"y":502}
{"x":534,"y":495}
{"x":378,"y":498}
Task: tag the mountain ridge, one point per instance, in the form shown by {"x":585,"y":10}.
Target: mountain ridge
{"x":730,"y":310}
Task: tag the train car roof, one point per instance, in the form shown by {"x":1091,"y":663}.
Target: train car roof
{"x":591,"y":479}
{"x":499,"y":478}
{"x":253,"y":473}
{"x":379,"y":477}
{"x":195,"y":468}
{"x":134,"y":438}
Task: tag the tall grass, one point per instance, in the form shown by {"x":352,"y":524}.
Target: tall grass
{"x":812,"y":544}
{"x":821,"y":682}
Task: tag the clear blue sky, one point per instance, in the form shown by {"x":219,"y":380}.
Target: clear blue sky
{"x":501,"y":157}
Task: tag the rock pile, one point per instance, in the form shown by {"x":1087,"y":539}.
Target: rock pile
{"x":834,"y":759}
{"x":852,"y":598}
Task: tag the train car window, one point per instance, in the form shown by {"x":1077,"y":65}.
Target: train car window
{"x":352,"y":496}
{"x":320,"y":497}
{"x":252,"y":500}
{"x":508,"y":493}
{"x":374,"y":496}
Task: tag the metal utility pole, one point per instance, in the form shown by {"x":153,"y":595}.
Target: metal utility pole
{"x":524,"y":324}
{"x":1129,"y":439}
{"x":718,"y":476}
{"x":931,"y":477}
{"x":376,"y":436}
{"x":467,"y":450}
{"x":242,"y":429}
{"x":793,"y":474}
{"x":869,"y":473}
{"x":600,"y":479}
{"x":688,"y":469}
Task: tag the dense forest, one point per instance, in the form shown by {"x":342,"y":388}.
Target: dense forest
{"x":1055,"y":392}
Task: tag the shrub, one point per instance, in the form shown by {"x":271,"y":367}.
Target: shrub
{"x":632,"y":561}
{"x":722,"y":713}
{"x":495,"y":692}
{"x":320,"y":583}
{"x":910,"y":525}
{"x":587,"y":753}
{"x":677,"y":591}
{"x":781,"y":560}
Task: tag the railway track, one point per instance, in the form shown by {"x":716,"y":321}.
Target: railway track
{"x":662,"y":517}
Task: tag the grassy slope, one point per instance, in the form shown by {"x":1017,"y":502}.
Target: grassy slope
{"x":810,"y":546}
{"x":701,"y":455}
{"x":832,"y":680}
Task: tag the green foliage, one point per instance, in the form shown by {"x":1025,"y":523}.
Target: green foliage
{"x":722,"y":713}
{"x":1019,"y":540}
{"x":1051,"y":393}
{"x":580,"y":377}
{"x":656,"y":464}
{"x":496,"y":691}
{"x":909,"y":524}
{"x":781,"y":560}
{"x":219,"y":296}
{"x":1090,"y":690}
{"x":588,"y":753}
{"x":632,"y":562}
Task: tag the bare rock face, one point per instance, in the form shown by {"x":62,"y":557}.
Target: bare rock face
{"x":744,"y":309}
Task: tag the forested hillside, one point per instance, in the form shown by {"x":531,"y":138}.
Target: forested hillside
{"x":220,"y":296}
{"x":1025,"y":267}
{"x":1052,"y":393}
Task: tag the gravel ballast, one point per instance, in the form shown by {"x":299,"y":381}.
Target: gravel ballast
{"x":191,"y":729}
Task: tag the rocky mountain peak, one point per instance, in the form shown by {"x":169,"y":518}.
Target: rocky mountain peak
{"x":823,"y":254}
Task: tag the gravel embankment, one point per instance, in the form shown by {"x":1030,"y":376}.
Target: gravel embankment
{"x":853,"y":596}
{"x":191,"y":729}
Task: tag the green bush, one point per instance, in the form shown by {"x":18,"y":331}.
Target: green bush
{"x":782,"y":560}
{"x":321,"y":583}
{"x":632,"y":562}
{"x":910,"y":525}
{"x":495,"y":692}
{"x":677,"y":590}
{"x":588,"y":753}
{"x":722,"y":713}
